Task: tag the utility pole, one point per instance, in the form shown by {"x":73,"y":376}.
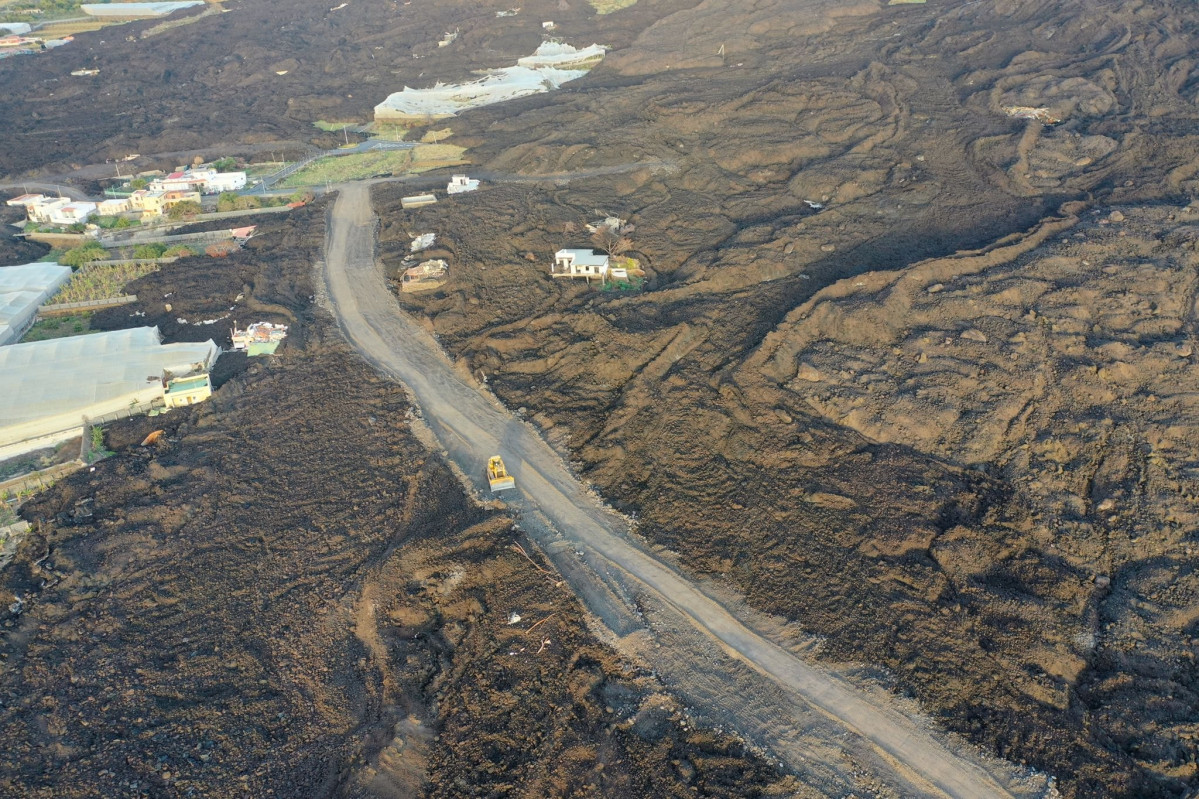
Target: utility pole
{"x":346,"y":133}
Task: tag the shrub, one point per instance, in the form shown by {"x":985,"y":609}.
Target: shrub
{"x":147,"y":251}
{"x":184,"y":210}
{"x":227,"y":201}
{"x":225,"y":164}
{"x":92,"y":251}
{"x":113,"y":222}
{"x":179,"y":251}
{"x":244,"y":203}
{"x":138,"y":183}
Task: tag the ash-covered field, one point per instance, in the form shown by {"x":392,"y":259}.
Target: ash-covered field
{"x":907,"y":368}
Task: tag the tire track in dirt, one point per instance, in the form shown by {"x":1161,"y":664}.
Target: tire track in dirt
{"x":816,"y":714}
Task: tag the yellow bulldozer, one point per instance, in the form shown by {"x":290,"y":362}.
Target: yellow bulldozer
{"x":497,"y":476}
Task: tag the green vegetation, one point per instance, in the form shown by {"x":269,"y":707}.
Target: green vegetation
{"x":336,"y":169}
{"x":95,"y":282}
{"x":231,"y":201}
{"x":389,"y":131}
{"x":179,"y":251}
{"x":43,"y":8}
{"x":96,"y":450}
{"x":138,"y":183}
{"x":85,"y":254}
{"x":632,"y":284}
{"x":113,"y":222}
{"x":59,"y":327}
{"x":225,"y":164}
{"x":185,"y":210}
{"x":149,"y":251}
{"x":329,"y":127}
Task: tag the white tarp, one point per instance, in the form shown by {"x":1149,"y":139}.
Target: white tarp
{"x":548,"y":68}
{"x":47,"y":387}
{"x":137,"y":9}
{"x":22,"y":290}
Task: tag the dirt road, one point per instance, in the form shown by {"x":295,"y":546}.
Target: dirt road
{"x":628,"y":587}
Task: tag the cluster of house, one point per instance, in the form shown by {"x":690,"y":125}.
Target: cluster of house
{"x":45,"y":210}
{"x":159,"y":197}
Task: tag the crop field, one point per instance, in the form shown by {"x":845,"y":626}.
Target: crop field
{"x":58,"y":327}
{"x":338,"y":168}
{"x":93,"y":282}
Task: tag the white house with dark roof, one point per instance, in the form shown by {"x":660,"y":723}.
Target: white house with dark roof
{"x":580,"y":263}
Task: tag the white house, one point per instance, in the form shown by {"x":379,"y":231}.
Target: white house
{"x":72,"y":212}
{"x":461,"y":183}
{"x":224,"y":181}
{"x":43,"y":210}
{"x":205,"y":181}
{"x":579,"y":263}
{"x":176,"y":181}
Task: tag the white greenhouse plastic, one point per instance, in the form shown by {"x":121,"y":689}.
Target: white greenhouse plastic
{"x":48,"y":387}
{"x":22,"y":290}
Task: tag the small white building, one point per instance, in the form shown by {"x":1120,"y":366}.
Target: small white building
{"x":176,"y":181}
{"x":460,"y":184}
{"x":580,"y":263}
{"x":72,"y":213}
{"x":43,"y":211}
{"x":224,"y":181}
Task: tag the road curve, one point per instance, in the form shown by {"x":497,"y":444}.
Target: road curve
{"x":33,"y":186}
{"x":471,"y":426}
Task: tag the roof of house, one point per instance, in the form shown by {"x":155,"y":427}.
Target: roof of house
{"x":25,"y":199}
{"x":584,"y":257}
{"x":183,"y":384}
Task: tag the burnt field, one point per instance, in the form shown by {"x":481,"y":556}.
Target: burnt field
{"x":288,"y":596}
{"x":782,"y":406}
{"x":907,"y":368}
{"x":215,"y":83}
